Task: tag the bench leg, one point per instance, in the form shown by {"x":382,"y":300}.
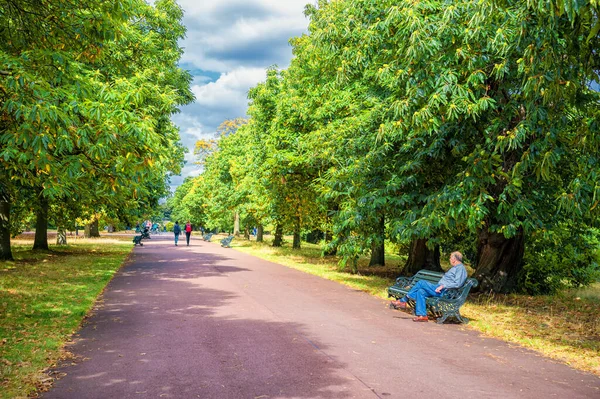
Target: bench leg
{"x":456,"y":314}
{"x":461,"y":318}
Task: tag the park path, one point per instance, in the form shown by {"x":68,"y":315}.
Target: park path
{"x":209,"y":322}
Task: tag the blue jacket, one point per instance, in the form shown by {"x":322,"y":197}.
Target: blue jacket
{"x":455,"y":277}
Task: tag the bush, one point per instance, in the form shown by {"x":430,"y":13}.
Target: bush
{"x":565,"y":257}
{"x":169,"y":226}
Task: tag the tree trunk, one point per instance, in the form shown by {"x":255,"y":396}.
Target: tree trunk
{"x":41,"y":225}
{"x":421,"y":257}
{"x":61,"y":236}
{"x":236,"y":225}
{"x":296,"y":244}
{"x":5,"y":250}
{"x":247,"y":233}
{"x":278,"y":240}
{"x":355,"y":265}
{"x":259,"y":233}
{"x":332,"y":251}
{"x":377,"y":254}
{"x":314,"y":236}
{"x":378,"y":246}
{"x":91,"y":230}
{"x":499,"y":260}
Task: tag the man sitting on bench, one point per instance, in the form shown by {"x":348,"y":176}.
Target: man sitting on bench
{"x":454,"y":278}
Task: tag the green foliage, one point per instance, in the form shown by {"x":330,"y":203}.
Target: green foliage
{"x":438,"y":120}
{"x":87,"y":89}
{"x":187,"y":203}
{"x":565,"y":257}
{"x":452,"y":126}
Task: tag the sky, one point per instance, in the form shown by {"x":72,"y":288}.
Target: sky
{"x":228,"y":47}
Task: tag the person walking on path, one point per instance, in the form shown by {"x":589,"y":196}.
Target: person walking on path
{"x":188,"y":232}
{"x":176,"y":231}
{"x":454,"y":278}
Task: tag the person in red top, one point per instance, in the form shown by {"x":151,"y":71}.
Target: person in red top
{"x":188,"y":232}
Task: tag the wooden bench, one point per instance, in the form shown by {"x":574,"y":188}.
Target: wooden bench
{"x":226,"y":241}
{"x":447,"y":305}
{"x":207,"y":237}
{"x":137,"y":240}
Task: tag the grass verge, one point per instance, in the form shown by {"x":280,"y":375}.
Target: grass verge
{"x":44,"y":296}
{"x":564,"y":327}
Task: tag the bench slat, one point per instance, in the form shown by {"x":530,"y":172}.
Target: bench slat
{"x":448,"y":305}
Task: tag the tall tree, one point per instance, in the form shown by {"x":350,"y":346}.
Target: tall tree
{"x":478,"y":116}
{"x":88,"y":123}
{"x":38,"y":43}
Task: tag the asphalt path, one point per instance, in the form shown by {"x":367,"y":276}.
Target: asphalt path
{"x":210,"y":322}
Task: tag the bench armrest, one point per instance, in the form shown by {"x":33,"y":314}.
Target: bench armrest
{"x":452,"y":294}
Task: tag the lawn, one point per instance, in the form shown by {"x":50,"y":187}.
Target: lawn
{"x":564,"y":327}
{"x":44,"y":296}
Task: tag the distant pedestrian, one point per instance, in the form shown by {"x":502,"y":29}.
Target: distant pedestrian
{"x":188,"y":232}
{"x":176,"y":231}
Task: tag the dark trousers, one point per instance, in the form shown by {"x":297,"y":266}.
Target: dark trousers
{"x":187,"y":237}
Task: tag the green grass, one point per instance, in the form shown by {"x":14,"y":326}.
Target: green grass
{"x":44,"y":296}
{"x":309,"y":260}
{"x":564,"y":327}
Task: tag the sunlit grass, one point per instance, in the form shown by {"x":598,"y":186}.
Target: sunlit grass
{"x":564,"y":327}
{"x":309,"y":260}
{"x":44,"y":295}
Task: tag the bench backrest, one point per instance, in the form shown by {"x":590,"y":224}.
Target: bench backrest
{"x":452,"y":293}
{"x":428,"y":275}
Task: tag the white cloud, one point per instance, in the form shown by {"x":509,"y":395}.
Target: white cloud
{"x":229,"y":46}
{"x":191,"y":128}
{"x":220,"y":31}
{"x":230,"y":90}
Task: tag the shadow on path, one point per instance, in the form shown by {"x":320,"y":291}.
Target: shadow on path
{"x":163,"y":330}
